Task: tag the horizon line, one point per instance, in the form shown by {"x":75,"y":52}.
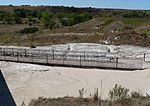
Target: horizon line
{"x":119,"y":8}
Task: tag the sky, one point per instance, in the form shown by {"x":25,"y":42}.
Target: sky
{"x":125,"y":4}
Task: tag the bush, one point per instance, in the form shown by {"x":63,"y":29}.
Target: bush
{"x":136,"y":94}
{"x":32,"y":46}
{"x":147,"y":31}
{"x":47,"y":19}
{"x":118,"y":93}
{"x":29,"y":30}
{"x":8,"y":18}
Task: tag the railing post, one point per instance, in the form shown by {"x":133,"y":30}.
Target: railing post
{"x":12,"y":52}
{"x":25,"y":52}
{"x":53,"y":55}
{"x":117,"y":62}
{"x":31,"y":58}
{"x":142,"y":64}
{"x":1,"y":51}
{"x":18,"y":56}
{"x":144,"y":56}
{"x":47,"y":58}
{"x":84,"y":55}
{"x":63,"y":59}
{"x":80,"y":60}
{"x":4,"y":55}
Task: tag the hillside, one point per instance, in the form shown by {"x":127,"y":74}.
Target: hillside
{"x":45,"y":25}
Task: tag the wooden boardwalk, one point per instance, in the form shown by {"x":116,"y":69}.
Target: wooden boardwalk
{"x":69,"y":58}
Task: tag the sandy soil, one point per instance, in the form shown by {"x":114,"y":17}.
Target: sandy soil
{"x":28,"y":81}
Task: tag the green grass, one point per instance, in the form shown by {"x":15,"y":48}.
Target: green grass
{"x":147,"y":31}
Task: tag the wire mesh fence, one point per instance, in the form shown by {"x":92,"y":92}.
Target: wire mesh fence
{"x":146,"y":57}
{"x":70,"y":58}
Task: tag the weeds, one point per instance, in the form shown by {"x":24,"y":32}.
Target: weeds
{"x":119,"y":97}
{"x":82,"y":92}
{"x":95,"y":96}
{"x":136,"y":94}
{"x":118,"y":93}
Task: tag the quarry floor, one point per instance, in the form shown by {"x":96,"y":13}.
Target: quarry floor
{"x":30,"y":81}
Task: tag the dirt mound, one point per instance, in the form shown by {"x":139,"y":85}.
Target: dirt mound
{"x":132,"y":38}
{"x":93,"y":25}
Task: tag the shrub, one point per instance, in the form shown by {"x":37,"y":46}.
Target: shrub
{"x":147,"y":31}
{"x":118,"y":93}
{"x":29,"y":30}
{"x":8,"y":18}
{"x":82,"y":92}
{"x":135,"y":94}
{"x":95,"y":96}
{"x":147,"y":104}
{"x":47,"y":20}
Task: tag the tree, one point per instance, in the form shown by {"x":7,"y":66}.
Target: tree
{"x":20,"y":13}
{"x":47,"y":20}
{"x":77,"y":19}
{"x":2,"y":13}
{"x":10,"y":5}
{"x":39,"y":15}
{"x":61,"y":15}
{"x":64,"y":21}
{"x":17,"y":19}
{"x":86,"y":17}
{"x":51,"y":24}
{"x":8,"y":18}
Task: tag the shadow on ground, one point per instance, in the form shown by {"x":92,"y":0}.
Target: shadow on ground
{"x":6,"y":98}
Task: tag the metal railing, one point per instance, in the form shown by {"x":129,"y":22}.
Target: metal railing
{"x":70,"y":58}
